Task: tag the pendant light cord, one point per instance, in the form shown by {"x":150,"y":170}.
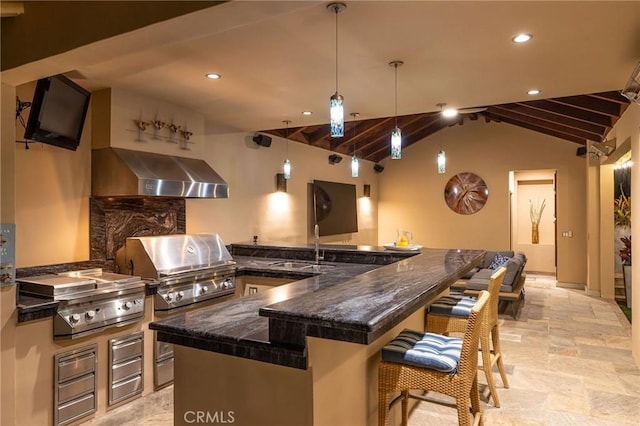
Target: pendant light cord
{"x":441,"y":105}
{"x":337,"y":11}
{"x":396,"y":72}
{"x":286,"y":122}
{"x":441,"y":130}
{"x":354,"y":115}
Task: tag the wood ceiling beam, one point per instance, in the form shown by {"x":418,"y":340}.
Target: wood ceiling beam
{"x":379,"y":154}
{"x":418,"y":128}
{"x":613,"y":96}
{"x":549,"y":116}
{"x":571,"y":112}
{"x":318,"y":133}
{"x":588,"y":103}
{"x":539,"y":129}
{"x":551,"y":125}
{"x":297,"y":133}
{"x":382,"y":140}
{"x":364,"y":128}
{"x":571,"y":118}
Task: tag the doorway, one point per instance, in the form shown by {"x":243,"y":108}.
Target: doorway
{"x":533,"y":199}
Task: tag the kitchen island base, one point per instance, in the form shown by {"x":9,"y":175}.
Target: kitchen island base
{"x":338,"y":388}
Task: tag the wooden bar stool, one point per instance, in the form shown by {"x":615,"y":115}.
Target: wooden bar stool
{"x":432,"y":362}
{"x":450,"y":314}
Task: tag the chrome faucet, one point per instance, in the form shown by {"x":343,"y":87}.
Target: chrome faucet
{"x":316,"y":233}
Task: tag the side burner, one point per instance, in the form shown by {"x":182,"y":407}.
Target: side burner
{"x":90,"y":300}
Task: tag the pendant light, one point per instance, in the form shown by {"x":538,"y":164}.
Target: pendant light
{"x":396,"y":134}
{"x":336,"y":109}
{"x":442,"y":158}
{"x":355,"y":165}
{"x":286,"y":167}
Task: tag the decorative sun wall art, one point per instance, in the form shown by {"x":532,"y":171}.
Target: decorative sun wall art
{"x":466,"y":193}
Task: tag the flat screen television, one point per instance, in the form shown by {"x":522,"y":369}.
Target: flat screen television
{"x":335,"y":206}
{"x":58,"y":110}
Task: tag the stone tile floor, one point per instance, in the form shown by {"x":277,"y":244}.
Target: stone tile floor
{"x":568,"y":360}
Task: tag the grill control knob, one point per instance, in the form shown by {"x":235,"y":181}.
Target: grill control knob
{"x":126,"y":306}
{"x":180,"y":295}
{"x":90,"y":314}
{"x":74,"y":318}
{"x":169,"y":297}
{"x":204,"y":289}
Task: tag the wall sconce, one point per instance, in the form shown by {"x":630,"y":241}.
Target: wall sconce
{"x":367,"y":190}
{"x":334,"y":159}
{"x":281,"y":183}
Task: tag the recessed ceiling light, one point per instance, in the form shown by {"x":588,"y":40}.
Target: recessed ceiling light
{"x":213,"y":76}
{"x":522,"y":38}
{"x":449,"y":112}
{"x":307,"y":112}
{"x":533,"y":92}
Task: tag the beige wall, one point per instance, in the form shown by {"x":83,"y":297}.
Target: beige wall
{"x":52,"y":198}
{"x":53,"y":184}
{"x":254,"y":208}
{"x":412,"y":193}
{"x":117,"y":111}
{"x":608,"y":253}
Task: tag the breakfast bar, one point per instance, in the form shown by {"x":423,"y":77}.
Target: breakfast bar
{"x":306,"y":352}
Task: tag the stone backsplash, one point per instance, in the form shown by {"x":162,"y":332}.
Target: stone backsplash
{"x":112,"y":220}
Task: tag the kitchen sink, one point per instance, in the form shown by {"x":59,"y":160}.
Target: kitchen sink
{"x":291,"y":264}
{"x":317,"y":268}
{"x":301,"y":265}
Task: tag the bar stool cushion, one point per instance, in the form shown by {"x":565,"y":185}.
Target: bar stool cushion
{"x":425,"y":350}
{"x":453,"y":305}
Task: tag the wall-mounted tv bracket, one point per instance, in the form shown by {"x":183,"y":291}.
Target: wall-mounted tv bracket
{"x":21,"y":106}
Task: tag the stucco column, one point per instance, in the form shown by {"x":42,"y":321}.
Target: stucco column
{"x":593,"y":227}
{"x":7,"y":294}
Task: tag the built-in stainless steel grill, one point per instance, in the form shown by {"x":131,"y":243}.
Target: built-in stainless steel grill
{"x":90,"y":300}
{"x":190,"y":268}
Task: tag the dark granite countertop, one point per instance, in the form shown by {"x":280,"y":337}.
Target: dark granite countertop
{"x":374,"y":255}
{"x":33,"y":308}
{"x":354,"y":302}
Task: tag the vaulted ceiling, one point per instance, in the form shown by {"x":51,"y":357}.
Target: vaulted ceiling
{"x":571,"y":118}
{"x":279,"y":58}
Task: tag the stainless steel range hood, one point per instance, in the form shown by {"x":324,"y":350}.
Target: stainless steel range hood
{"x":118,"y":172}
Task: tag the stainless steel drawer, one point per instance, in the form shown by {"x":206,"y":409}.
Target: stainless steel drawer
{"x":163,"y":374}
{"x":163,"y":350}
{"x":126,"y":350}
{"x":75,"y":388}
{"x":75,"y":366}
{"x":126,"y":369}
{"x":74,"y":384}
{"x":126,"y":389}
{"x":76,"y":409}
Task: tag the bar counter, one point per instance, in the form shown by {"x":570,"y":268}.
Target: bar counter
{"x":350,"y":302}
{"x":235,"y":358}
